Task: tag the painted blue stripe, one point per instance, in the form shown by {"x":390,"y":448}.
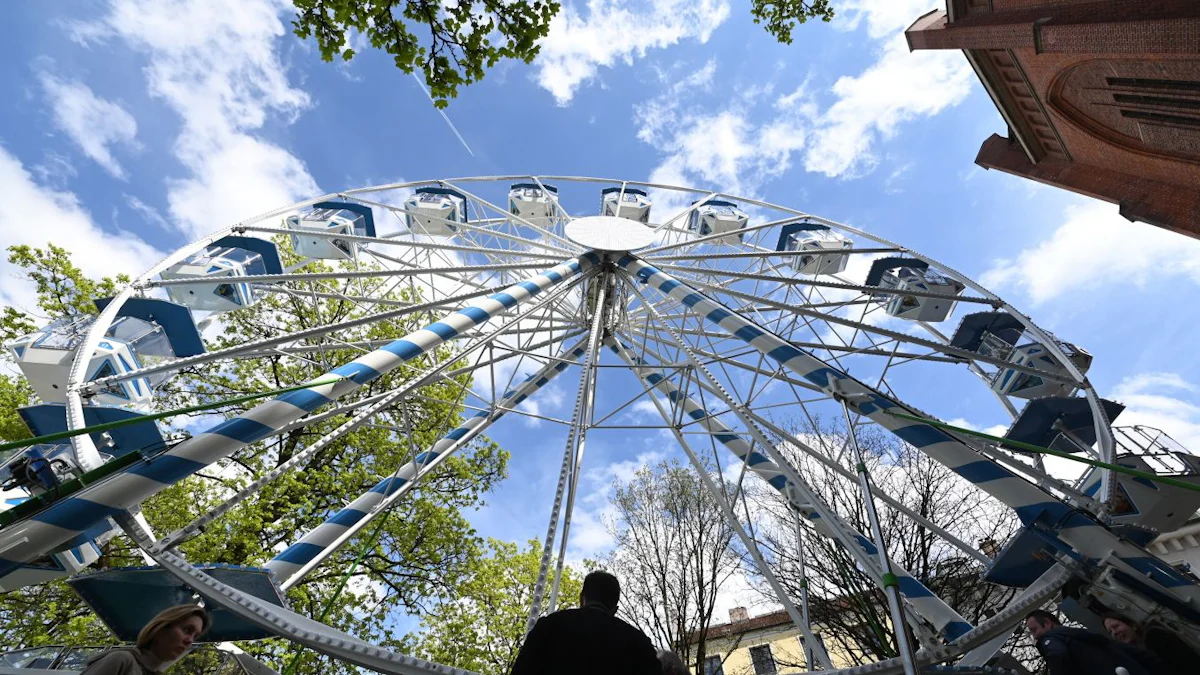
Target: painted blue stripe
{"x":698,"y":414}
{"x":668,"y":285}
{"x":305,"y":399}
{"x":167,"y":469}
{"x":458,"y":433}
{"x":553,"y":276}
{"x":955,"y":630}
{"x":982,"y":471}
{"x":726,"y":438}
{"x":866,"y":544}
{"x":8,"y":567}
{"x":404,"y":349}
{"x":654,"y":378}
{"x":244,"y":431}
{"x":475,"y":314}
{"x":821,"y":376}
{"x":442,"y":330}
{"x":541,"y":382}
{"x":718,"y":315}
{"x":76,"y":514}
{"x":784,"y":353}
{"x":911,"y":588}
{"x":1158,"y":571}
{"x":298,"y":554}
{"x":425,"y":458}
{"x":691,"y":299}
{"x":1053,"y":513}
{"x":778,"y":482}
{"x":755,"y":459}
{"x":504,"y":299}
{"x":748,"y":333}
{"x":530,"y":287}
{"x":921,"y":435}
{"x":356,"y":372}
{"x":346,"y":517}
{"x":388,"y":485}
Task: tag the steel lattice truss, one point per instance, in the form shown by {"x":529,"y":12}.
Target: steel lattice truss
{"x":722,"y":333}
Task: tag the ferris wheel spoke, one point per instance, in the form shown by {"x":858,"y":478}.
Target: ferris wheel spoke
{"x":570,"y":245}
{"x":934,"y":346}
{"x":253,"y":349}
{"x":763,"y":254}
{"x":384,"y":402}
{"x":299,"y":559}
{"x":412,"y":243}
{"x":719,"y":496}
{"x":1028,"y":500}
{"x":776,"y":471}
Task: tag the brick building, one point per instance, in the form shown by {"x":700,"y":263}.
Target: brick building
{"x":1101,"y":97}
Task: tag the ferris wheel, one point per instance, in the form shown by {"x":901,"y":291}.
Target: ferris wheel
{"x":726,"y":313}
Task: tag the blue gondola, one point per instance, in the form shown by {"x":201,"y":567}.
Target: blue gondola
{"x":825,"y":244}
{"x":535,"y":203}
{"x":717,"y":216}
{"x":634,"y":204}
{"x":908,"y":274}
{"x":435,"y":212}
{"x":223,"y":261}
{"x":331,"y":218}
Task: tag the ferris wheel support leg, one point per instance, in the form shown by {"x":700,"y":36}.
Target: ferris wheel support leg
{"x":891,"y":584}
{"x":584,"y":419}
{"x":775,"y":469}
{"x":572,"y":455}
{"x":68,"y":518}
{"x":800,"y":619}
{"x":1033,"y":505}
{"x":297,"y":560}
{"x":814,"y":643}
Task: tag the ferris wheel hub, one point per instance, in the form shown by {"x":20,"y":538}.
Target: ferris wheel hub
{"x":609,"y":233}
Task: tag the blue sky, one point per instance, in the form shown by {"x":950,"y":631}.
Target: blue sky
{"x":133,"y":126}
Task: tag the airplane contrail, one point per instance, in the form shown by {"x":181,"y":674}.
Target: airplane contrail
{"x":443,"y":114}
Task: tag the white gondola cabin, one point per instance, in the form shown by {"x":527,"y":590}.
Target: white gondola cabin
{"x":718,"y":217}
{"x":230,"y":263}
{"x":899,"y":275}
{"x":315,"y":232}
{"x":628,"y":202}
{"x":435,"y":212}
{"x":535,"y":203}
{"x":1020,"y":384}
{"x":145,"y":333}
{"x":826,"y":246}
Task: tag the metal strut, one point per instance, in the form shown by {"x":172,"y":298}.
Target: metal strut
{"x":891,"y":585}
{"x":565,"y":479}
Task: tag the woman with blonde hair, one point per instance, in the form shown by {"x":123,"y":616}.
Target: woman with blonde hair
{"x":167,"y":637}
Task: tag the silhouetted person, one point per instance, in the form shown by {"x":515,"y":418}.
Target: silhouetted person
{"x":671,"y":663}
{"x":1174,"y":654}
{"x":1077,"y":651}
{"x":589,"y":640}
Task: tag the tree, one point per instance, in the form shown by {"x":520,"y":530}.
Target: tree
{"x":483,"y":626}
{"x":673,"y":555}
{"x":454,"y":43}
{"x":846,"y":606}
{"x":419,"y":558}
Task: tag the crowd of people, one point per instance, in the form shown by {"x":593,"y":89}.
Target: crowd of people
{"x":591,"y":639}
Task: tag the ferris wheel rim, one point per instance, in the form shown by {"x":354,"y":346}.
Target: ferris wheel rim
{"x":144,"y":281}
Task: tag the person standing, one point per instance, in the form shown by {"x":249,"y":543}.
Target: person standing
{"x":164,"y":640}
{"x":589,"y":640}
{"x":1077,"y":651}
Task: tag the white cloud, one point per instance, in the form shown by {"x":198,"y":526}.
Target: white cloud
{"x":612,"y":31}
{"x":1164,"y":401}
{"x":93,"y":123}
{"x":216,"y":65}
{"x":35,"y":215}
{"x":882,"y":16}
{"x":1094,"y":246}
{"x":900,"y":86}
{"x":741,"y":146}
{"x":147,"y":212}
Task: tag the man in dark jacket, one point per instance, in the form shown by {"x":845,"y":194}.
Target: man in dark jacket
{"x":1076,"y":651}
{"x":588,"y":640}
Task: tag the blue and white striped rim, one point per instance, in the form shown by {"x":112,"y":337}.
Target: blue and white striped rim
{"x":924,"y":602}
{"x":320,"y":538}
{"x":26,"y":540}
{"x":1031,"y":504}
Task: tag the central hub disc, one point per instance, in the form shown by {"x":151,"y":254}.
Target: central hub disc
{"x":609,"y":233}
